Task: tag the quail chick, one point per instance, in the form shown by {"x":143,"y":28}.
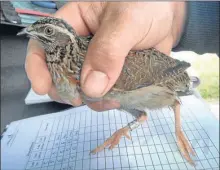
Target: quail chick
{"x":149,"y":79}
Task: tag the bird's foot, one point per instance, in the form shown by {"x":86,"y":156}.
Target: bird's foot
{"x":113,"y":140}
{"x":185,"y":147}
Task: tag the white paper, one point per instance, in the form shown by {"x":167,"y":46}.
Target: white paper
{"x":33,"y":98}
{"x":63,"y":140}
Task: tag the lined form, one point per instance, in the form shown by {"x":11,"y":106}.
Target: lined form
{"x":62,"y":141}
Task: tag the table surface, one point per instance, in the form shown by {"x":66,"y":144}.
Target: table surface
{"x":14,"y":82}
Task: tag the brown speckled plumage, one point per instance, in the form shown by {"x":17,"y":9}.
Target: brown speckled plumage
{"x":149,"y":78}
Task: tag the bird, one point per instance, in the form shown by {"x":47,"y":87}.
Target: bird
{"x":149,"y":79}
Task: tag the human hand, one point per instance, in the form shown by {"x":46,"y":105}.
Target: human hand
{"x":117,"y":27}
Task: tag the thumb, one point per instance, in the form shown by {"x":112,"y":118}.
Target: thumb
{"x":105,"y":57}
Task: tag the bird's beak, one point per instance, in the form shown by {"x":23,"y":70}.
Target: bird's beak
{"x":195,"y":81}
{"x":25,"y":31}
{"x":22,"y":32}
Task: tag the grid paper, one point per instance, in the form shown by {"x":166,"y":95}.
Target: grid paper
{"x":63,"y":142}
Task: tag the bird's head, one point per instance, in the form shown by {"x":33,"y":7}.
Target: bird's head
{"x":189,"y":88}
{"x":50,"y":32}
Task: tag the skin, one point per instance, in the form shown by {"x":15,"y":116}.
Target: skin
{"x":117,"y":27}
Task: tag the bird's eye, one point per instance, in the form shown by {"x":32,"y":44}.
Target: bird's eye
{"x":48,"y":31}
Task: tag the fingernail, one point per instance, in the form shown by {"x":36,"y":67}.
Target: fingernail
{"x":95,"y":84}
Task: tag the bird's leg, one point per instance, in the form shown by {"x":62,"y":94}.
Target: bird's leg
{"x":183,"y":144}
{"x":115,"y":138}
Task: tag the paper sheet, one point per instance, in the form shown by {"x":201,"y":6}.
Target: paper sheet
{"x":63,"y":140}
{"x":33,"y":98}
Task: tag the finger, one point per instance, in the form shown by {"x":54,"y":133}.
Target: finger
{"x":103,"y":105}
{"x":76,"y":102}
{"x":106,"y":54}
{"x":36,"y":68}
{"x":75,"y":19}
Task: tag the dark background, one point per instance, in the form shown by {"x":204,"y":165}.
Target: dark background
{"x":14,"y":82}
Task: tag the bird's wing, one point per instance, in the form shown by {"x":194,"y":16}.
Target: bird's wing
{"x":148,"y":67}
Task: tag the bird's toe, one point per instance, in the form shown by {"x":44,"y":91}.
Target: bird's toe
{"x":113,"y":140}
{"x":185,"y":147}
